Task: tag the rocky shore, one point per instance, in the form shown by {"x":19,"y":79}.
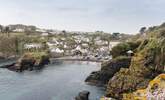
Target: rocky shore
{"x":155,"y":90}
{"x":129,"y":76}
{"x":108,"y":69}
{"x":29,"y":61}
{"x":84,"y":95}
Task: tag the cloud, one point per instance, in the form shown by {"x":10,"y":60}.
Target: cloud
{"x":87,"y":15}
{"x":72,"y":9}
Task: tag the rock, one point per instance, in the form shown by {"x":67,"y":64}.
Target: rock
{"x":106,"y":98}
{"x":154,"y":91}
{"x":29,"y":61}
{"x":146,"y":64}
{"x":84,"y":95}
{"x":108,"y":70}
{"x":7,"y":66}
{"x":2,"y":58}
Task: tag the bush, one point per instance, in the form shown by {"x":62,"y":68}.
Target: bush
{"x":9,"y":45}
{"x":122,"y":48}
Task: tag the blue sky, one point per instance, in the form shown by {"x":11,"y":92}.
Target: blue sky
{"x":84,"y":15}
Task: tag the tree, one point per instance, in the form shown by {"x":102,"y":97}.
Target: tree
{"x":142,"y":30}
{"x":7,"y":30}
{"x":106,"y":37}
{"x":32,"y":28}
{"x":162,"y":25}
{"x":122,"y":48}
{"x":16,"y":45}
{"x":116,"y":34}
{"x":9,"y":45}
{"x":1,"y":28}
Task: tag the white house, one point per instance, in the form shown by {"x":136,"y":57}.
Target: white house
{"x":65,"y":46}
{"x":101,"y":42}
{"x":45,"y":34}
{"x":84,"y":51}
{"x":103,"y":51}
{"x":84,"y":45}
{"x":55,"y":41}
{"x":77,"y":40}
{"x":78,"y":48}
{"x":56,"y":50}
{"x":41,"y":30}
{"x":33,"y":46}
{"x":85,"y":39}
{"x":51,"y":45}
{"x":19,"y":30}
{"x":112,"y":44}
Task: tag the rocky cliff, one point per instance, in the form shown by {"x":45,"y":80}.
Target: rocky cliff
{"x":107,"y":71}
{"x":148,"y":61}
{"x":154,"y":91}
{"x":30,"y":61}
{"x":146,"y":64}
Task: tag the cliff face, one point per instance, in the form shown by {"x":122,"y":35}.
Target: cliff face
{"x":108,"y":70}
{"x":154,"y":91}
{"x":30,"y":61}
{"x":148,"y":62}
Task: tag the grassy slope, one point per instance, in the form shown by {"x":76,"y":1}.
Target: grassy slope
{"x":148,"y":62}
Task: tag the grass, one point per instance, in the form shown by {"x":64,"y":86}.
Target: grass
{"x":35,"y":55}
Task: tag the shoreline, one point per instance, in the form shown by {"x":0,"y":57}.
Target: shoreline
{"x":55,"y":60}
{"x":75,"y":58}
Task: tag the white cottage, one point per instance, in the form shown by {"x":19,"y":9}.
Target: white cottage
{"x":31,"y":46}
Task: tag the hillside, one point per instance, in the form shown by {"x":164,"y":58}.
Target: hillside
{"x":147,"y":62}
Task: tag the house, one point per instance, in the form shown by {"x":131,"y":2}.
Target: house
{"x":19,"y":30}
{"x":101,"y":42}
{"x":85,"y":39}
{"x":55,"y":32}
{"x":104,"y":51}
{"x":84,"y":45}
{"x":41,"y":30}
{"x":112,"y":44}
{"x":130,"y":53}
{"x":51,"y":45}
{"x":84,"y":51}
{"x":78,"y":47}
{"x":45,"y":34}
{"x":56,"y":52}
{"x":65,"y":46}
{"x":33,"y":46}
{"x":77,"y":41}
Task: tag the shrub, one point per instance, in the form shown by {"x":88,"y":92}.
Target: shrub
{"x":9,"y":45}
{"x":122,"y":48}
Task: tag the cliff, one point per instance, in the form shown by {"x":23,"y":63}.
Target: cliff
{"x":146,"y":64}
{"x":129,"y":77}
{"x":154,"y":91}
{"x":107,"y":71}
{"x":30,"y":61}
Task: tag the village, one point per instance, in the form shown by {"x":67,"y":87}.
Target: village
{"x":79,"y":46}
{"x":63,"y":44}
{"x":94,"y":46}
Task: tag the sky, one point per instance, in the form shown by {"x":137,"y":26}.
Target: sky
{"x":126,"y":16}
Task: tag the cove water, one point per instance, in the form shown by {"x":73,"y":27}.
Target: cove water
{"x":54,"y":82}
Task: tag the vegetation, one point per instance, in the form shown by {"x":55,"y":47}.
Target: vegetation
{"x":9,"y":45}
{"x":38,"y":56}
{"x":122,"y":48}
{"x":14,"y":44}
{"x":154,"y":91}
{"x":147,"y":63}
